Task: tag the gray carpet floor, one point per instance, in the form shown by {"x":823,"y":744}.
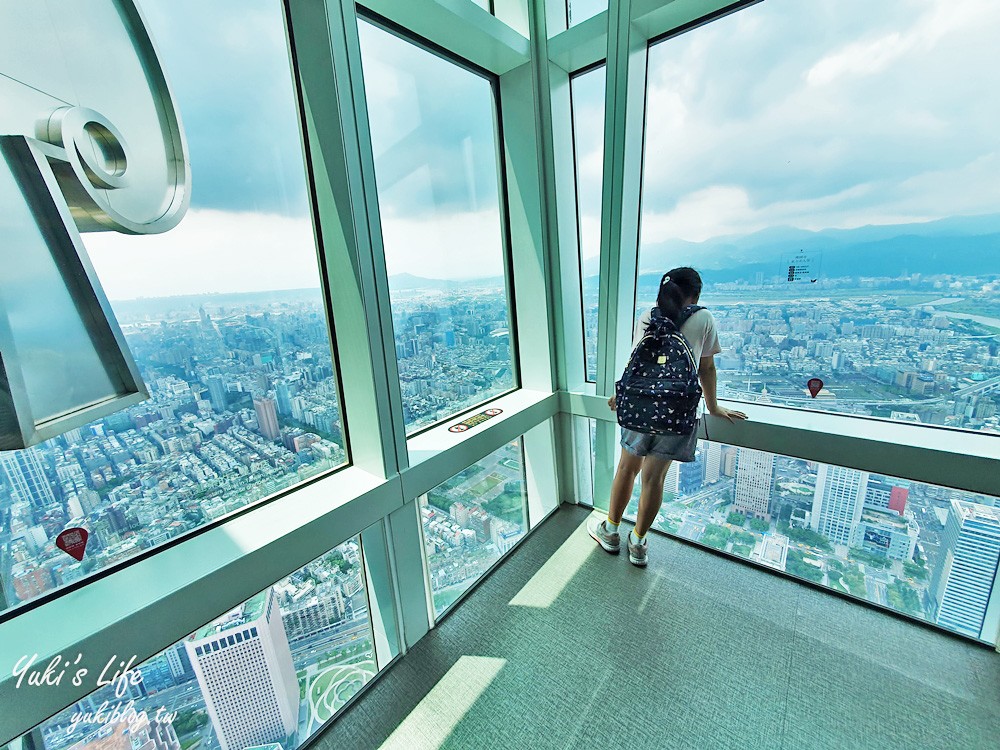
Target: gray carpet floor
{"x":566,"y":646}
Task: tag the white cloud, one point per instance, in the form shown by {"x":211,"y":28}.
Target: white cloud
{"x":209,"y":251}
{"x":444,"y":246}
{"x":869,"y":57}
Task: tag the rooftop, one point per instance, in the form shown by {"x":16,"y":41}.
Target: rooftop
{"x":251,"y":610}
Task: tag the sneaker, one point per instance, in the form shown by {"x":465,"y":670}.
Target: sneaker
{"x":610,"y":541}
{"x":637,"y":552}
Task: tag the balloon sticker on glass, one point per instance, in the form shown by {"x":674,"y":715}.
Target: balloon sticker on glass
{"x":815,"y":385}
{"x":73,"y":541}
{"x":475,"y":419}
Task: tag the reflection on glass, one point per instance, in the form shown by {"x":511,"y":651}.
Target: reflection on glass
{"x":832,"y":173}
{"x":433,"y":128}
{"x":581,"y":10}
{"x":224,"y":318}
{"x":926,"y":551}
{"x":272,"y":670}
{"x":587,"y":92}
{"x":471,"y":521}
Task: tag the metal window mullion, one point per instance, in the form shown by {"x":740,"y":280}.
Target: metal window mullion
{"x":624,"y":105}
{"x":374,"y":272}
{"x":558,"y":205}
{"x":318,"y":33}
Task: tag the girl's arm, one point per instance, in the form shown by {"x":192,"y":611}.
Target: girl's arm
{"x":709,"y":379}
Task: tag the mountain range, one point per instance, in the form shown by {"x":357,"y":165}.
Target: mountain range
{"x":960,"y":245}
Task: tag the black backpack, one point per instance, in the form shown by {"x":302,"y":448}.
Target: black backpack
{"x":659,"y":390}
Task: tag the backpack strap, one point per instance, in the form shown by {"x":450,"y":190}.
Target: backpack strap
{"x":687,"y":312}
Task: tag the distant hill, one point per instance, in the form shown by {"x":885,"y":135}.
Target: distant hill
{"x":959,"y":245}
{"x":409,"y":282}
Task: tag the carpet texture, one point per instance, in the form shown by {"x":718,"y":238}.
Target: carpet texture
{"x":566,"y":646}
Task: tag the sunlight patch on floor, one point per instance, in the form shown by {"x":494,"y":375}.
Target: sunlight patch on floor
{"x":433,"y":719}
{"x":550,"y":580}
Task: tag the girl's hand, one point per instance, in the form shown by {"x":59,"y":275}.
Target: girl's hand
{"x":612,"y":403}
{"x":730,"y":414}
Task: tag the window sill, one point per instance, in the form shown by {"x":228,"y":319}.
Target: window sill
{"x":435,"y":452}
{"x":952,"y":458}
{"x":156,"y":601}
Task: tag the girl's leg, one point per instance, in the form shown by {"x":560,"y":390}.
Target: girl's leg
{"x":621,"y":488}
{"x":654,"y":471}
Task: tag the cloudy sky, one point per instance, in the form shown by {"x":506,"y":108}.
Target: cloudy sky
{"x":831,"y":113}
{"x":828,"y":113}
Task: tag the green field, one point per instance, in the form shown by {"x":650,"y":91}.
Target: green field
{"x":491,"y":481}
{"x":334,"y":686}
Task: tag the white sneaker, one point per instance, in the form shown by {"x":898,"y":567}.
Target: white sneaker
{"x":637,"y":552}
{"x":611,"y":541}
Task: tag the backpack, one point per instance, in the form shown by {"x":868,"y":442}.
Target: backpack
{"x":659,"y":391}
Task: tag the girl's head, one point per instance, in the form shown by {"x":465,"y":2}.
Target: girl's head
{"x":679,"y":287}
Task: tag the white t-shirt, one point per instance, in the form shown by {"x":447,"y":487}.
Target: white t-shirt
{"x":698,"y":330}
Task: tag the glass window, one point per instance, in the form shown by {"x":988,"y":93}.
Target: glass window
{"x":471,"y":521}
{"x":223,"y":315}
{"x":437,"y":166}
{"x":926,"y":551}
{"x":832,"y":171}
{"x":311,"y":648}
{"x":581,"y":10}
{"x":587,"y":95}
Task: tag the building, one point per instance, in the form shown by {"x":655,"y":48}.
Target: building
{"x":267,"y":417}
{"x":838,"y":501}
{"x":179,"y":663}
{"x":754,"y":480}
{"x":713,"y":461}
{"x":771,"y":551}
{"x":26,"y":477}
{"x":30,"y":581}
{"x":885,"y":495}
{"x":690,"y":473}
{"x":135,"y":732}
{"x":263,"y":705}
{"x":962,"y":582}
{"x":316,"y":614}
{"x":886,"y":533}
{"x":217,"y":393}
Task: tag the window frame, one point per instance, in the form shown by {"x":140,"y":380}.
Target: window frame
{"x":10,"y":612}
{"x":578,"y":216}
{"x":389,"y":26}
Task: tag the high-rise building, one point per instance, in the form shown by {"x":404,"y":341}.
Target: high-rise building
{"x":754,"y":477}
{"x":267,"y":417}
{"x":671,"y":483}
{"x":179,"y":663}
{"x":690,"y":473}
{"x":217,"y":393}
{"x":838,"y":501}
{"x":729,"y":461}
{"x":713,"y":462}
{"x":962,"y":582}
{"x":247,"y":678}
{"x":283,"y":392}
{"x":26,"y":477}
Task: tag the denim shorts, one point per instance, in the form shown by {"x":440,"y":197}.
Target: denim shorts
{"x":668,"y":447}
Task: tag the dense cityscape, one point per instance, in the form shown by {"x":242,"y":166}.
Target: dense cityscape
{"x":243,"y":403}
{"x":922,"y":349}
{"x":471,"y":521}
{"x":273,"y":670}
{"x":926,"y":551}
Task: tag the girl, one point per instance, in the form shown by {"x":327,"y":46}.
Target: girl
{"x":652,"y":454}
